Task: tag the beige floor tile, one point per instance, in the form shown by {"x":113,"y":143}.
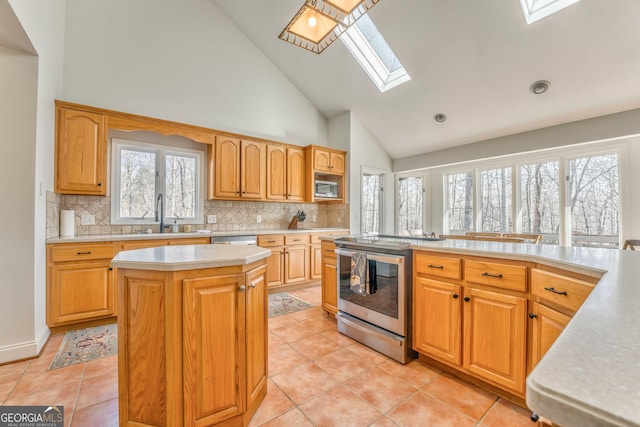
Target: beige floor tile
{"x":101,"y":366}
{"x":383,"y":421}
{"x":273,"y":405}
{"x":421,"y":410}
{"x":278,"y":321}
{"x":315,"y":346}
{"x":416,"y":372}
{"x":50,"y":394}
{"x":340,"y":407}
{"x":340,"y":339}
{"x":284,"y":358}
{"x":294,"y":331}
{"x":97,"y":389}
{"x":12,"y":370}
{"x":104,"y":414}
{"x":381,"y":389}
{"x":34,"y":382}
{"x":294,"y":417}
{"x":369,"y":356}
{"x":505,"y":413}
{"x":308,"y":313}
{"x":342,"y":364}
{"x":304,"y":382}
{"x":460,"y":395}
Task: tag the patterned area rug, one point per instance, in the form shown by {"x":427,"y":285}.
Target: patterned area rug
{"x":283,"y":303}
{"x":85,"y":345}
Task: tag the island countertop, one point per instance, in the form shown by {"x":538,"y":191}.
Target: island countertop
{"x":591,"y":375}
{"x":189,"y":257}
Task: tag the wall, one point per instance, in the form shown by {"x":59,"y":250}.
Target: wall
{"x":28,"y":85}
{"x":185,"y":62}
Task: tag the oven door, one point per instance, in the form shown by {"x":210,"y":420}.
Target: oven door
{"x":381,"y":299}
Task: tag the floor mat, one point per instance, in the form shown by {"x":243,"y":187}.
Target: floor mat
{"x":283,"y":303}
{"x":85,"y":345}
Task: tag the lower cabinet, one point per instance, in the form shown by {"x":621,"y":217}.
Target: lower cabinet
{"x":193,"y":346}
{"x":329,"y":279}
{"x":289,"y":260}
{"x":547,"y":326}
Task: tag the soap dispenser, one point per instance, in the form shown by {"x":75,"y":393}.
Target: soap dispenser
{"x":174,"y":226}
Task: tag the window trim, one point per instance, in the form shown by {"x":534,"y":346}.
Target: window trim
{"x":161,"y":152}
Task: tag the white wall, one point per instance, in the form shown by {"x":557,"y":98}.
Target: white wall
{"x":366,"y":151}
{"x":182,"y":61}
{"x":29,"y":84}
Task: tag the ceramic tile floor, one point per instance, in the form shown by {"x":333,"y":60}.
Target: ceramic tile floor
{"x":316,"y":377}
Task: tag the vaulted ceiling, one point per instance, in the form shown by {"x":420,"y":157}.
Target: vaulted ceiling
{"x":471,"y":60}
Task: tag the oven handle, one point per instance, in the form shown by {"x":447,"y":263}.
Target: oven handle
{"x":389,"y":259}
{"x":354,"y":325}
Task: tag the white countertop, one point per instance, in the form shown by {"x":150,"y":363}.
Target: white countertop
{"x":189,"y":257}
{"x":591,"y":374}
{"x":152,"y":236}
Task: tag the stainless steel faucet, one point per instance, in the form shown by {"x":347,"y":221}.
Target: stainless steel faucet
{"x":160,"y":215}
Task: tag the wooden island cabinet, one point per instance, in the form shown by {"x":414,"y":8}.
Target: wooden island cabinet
{"x":192,"y":344}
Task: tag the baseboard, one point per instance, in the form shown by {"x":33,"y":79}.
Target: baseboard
{"x":25,"y":350}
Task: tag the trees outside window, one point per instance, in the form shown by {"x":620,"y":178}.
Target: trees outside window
{"x":371,"y":203}
{"x":410,"y":205}
{"x":540,"y":200}
{"x":495,"y":190}
{"x":460,"y":201}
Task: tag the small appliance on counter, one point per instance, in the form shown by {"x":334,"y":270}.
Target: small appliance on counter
{"x":326,"y":189}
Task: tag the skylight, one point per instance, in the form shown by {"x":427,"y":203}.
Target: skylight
{"x":374,"y":55}
{"x":534,"y":10}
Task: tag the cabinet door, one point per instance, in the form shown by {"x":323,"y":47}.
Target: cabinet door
{"x":437,"y":326}
{"x":295,"y":174}
{"x":315,"y":262}
{"x":337,"y":163}
{"x":547,"y":326}
{"x":321,"y":160}
{"x":295,"y":264}
{"x":253,"y":164}
{"x":495,"y":331}
{"x":214,"y":349}
{"x":81,"y":291}
{"x":256,"y":333}
{"x":275,"y":267}
{"x":81,"y":153}
{"x":276,"y":172}
{"x":227,"y":168}
{"x":329,"y":285}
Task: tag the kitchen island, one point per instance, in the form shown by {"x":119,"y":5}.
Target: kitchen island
{"x":192,"y":334}
{"x":590,"y":375}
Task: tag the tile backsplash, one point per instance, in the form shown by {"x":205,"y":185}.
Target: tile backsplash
{"x":230,"y":215}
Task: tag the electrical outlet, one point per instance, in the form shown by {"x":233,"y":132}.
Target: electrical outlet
{"x":313,"y":218}
{"x":87,"y":219}
{"x":211,"y":219}
{"x":258,"y":219}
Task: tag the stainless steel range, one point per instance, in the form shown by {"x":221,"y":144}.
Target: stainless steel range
{"x":374,"y":292}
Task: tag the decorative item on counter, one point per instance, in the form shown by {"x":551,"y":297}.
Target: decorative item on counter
{"x":297,"y":221}
{"x":174,"y":226}
{"x":187,"y":228}
{"x":67,"y":223}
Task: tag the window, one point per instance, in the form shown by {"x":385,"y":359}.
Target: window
{"x":459,"y":202}
{"x":374,"y":55}
{"x":410,"y":205}
{"x":594,"y":200}
{"x":141,"y":171}
{"x":535,"y":10}
{"x":495,"y":191}
{"x":540,"y":200}
{"x":371,"y":203}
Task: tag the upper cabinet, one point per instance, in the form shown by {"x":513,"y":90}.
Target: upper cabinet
{"x":81,"y":152}
{"x":325,"y":170}
{"x":285,"y":173}
{"x":239,"y":169}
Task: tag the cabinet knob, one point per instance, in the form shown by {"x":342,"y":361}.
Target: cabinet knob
{"x":455,"y":296}
{"x":532,"y":315}
{"x":467,"y":299}
{"x":99,"y":184}
{"x":110,"y":268}
{"x":242,"y":288}
{"x":534,"y":417}
{"x":252,"y":285}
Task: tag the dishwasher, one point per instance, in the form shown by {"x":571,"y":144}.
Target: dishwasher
{"x":250,"y":240}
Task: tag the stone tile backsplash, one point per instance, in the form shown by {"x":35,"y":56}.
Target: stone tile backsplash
{"x":230,"y":215}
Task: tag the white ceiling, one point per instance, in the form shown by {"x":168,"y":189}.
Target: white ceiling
{"x":471,"y":60}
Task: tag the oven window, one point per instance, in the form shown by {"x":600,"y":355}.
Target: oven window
{"x":381,"y":292}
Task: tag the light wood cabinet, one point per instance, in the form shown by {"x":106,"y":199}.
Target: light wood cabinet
{"x":329,"y":280}
{"x":289,"y":260}
{"x":80,"y":284}
{"x":328,"y":161}
{"x":192,"y":345}
{"x":296,"y":263}
{"x":547,"y":326}
{"x":495,"y":337}
{"x":81,"y":152}
{"x":438,"y":304}
{"x":325,"y":164}
{"x":315,"y":261}
{"x":239,"y":169}
{"x":285,"y":173}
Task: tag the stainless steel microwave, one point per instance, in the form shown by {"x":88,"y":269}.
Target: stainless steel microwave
{"x":327,"y":189}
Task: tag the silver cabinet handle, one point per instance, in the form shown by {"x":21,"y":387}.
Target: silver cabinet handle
{"x":242,"y":288}
{"x":252,"y":285}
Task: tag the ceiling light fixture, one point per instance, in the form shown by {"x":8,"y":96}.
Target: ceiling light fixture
{"x":319,"y":23}
{"x":539,"y":87}
{"x":440,"y":118}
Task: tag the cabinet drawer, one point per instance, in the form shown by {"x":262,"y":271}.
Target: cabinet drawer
{"x":81,"y":252}
{"x":190,"y":241}
{"x":562,"y":290}
{"x":296,"y":239}
{"x":269,"y":240}
{"x":328,"y":250}
{"x":504,"y":276}
{"x":448,"y":268}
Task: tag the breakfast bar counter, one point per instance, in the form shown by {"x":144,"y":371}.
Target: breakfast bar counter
{"x":192,"y":334}
{"x":591,"y":375}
